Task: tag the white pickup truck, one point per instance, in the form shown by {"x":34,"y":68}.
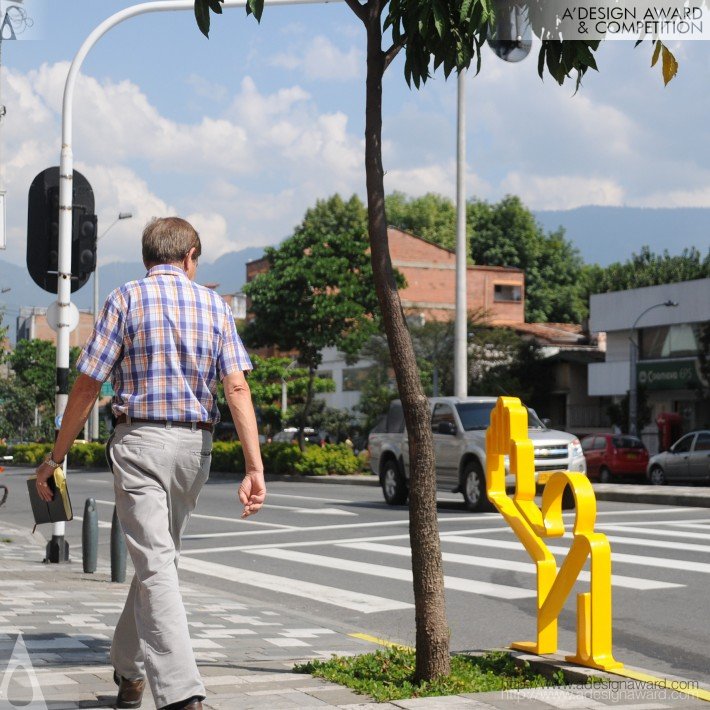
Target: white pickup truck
{"x":459,"y":431}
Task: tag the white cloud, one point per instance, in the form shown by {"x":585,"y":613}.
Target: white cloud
{"x":319,"y":58}
{"x":562,"y":192}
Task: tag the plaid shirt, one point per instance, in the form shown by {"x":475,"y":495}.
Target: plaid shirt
{"x":164,"y":340}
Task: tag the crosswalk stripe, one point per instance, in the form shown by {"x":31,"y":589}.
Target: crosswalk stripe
{"x":364,"y":603}
{"x":653,"y":531}
{"x":662,"y":562}
{"x":645,"y":542}
{"x":618,"y":580}
{"x":499,"y":591}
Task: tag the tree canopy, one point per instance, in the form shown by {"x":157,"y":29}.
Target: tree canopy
{"x":324,"y":269}
{"x":648,"y":269}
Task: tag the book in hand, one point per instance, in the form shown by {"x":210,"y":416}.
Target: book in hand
{"x":59,"y":508}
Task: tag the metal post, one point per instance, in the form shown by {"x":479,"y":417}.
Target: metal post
{"x":460,"y":325}
{"x":633,"y":358}
{"x":633,"y":387}
{"x":2,"y":182}
{"x":90,"y":536}
{"x":66,"y":173}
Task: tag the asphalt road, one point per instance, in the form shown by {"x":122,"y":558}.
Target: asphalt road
{"x":339,"y":554}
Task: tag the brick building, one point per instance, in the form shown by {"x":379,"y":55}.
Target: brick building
{"x":430,"y":272}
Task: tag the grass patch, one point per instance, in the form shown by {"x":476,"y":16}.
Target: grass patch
{"x":389,"y":675}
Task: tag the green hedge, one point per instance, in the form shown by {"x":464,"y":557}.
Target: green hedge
{"x":91,"y":455}
{"x":227,"y":456}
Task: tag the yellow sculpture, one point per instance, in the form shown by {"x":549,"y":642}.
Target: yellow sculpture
{"x":508,"y":436}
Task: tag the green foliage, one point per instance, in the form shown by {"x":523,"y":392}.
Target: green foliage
{"x":325,"y":270}
{"x":337,"y":459}
{"x":389,"y":675}
{"x":337,"y":423}
{"x":265,"y":382}
{"x":17,"y":405}
{"x":506,"y":234}
{"x":227,"y":456}
{"x":430,"y":216}
{"x":32,"y":454}
{"x":647,"y":269}
{"x":91,"y":455}
{"x":280,"y":457}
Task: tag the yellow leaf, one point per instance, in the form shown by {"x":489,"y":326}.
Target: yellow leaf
{"x":656,"y":52}
{"x":670,"y":65}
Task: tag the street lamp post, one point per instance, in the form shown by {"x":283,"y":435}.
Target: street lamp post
{"x":633,"y":356}
{"x":94,"y":429}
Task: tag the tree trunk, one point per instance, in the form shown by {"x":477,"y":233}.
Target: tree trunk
{"x":432,"y":632}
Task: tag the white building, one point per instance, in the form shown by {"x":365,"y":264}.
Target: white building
{"x":669,"y":345}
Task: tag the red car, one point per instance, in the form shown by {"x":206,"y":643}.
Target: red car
{"x":611,"y":456}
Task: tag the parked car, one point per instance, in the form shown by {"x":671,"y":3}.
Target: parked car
{"x":290,"y":435}
{"x":688,"y":460}
{"x":611,"y":456}
{"x":459,"y":432}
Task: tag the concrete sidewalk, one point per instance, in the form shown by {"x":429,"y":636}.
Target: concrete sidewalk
{"x":65,"y":618}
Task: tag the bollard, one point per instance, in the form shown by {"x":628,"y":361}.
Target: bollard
{"x":118,"y":550}
{"x":90,"y":536}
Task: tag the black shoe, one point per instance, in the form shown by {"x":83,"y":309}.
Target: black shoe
{"x":130,"y":692}
{"x":193,"y":703}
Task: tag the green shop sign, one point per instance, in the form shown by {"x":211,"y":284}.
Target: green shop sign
{"x":672,"y":375}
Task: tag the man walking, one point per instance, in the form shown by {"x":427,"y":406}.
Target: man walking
{"x":164,"y":341}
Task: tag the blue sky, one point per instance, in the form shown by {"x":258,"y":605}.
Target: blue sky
{"x":244,"y":131}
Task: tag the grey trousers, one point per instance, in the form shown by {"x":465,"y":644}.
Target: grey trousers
{"x":158,"y":471}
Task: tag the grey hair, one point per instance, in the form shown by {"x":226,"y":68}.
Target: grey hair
{"x":167,"y":240}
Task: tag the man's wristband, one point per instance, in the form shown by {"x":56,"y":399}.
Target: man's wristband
{"x":51,"y":462}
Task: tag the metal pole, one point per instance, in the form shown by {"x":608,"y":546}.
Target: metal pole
{"x":66,"y":173}
{"x":460,"y":327}
{"x":633,"y":392}
{"x":3,"y":206}
{"x":633,"y":358}
{"x":94,"y":429}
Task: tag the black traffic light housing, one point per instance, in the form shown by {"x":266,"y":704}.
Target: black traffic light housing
{"x":43,"y":230}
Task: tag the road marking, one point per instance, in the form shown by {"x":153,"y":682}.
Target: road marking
{"x":315,"y":543}
{"x":618,"y":580}
{"x":250,"y":521}
{"x":381,"y":642}
{"x":662,"y":562}
{"x":498,"y":591}
{"x":99,"y":480}
{"x":356,"y":601}
{"x":686,"y":522}
{"x":644,"y":542}
{"x":653,"y":531}
{"x":679,"y":686}
{"x":102,"y":523}
{"x":312,"y":511}
{"x":324,"y":500}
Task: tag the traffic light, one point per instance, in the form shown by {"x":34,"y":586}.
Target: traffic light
{"x":43,"y":230}
{"x":83,"y":249}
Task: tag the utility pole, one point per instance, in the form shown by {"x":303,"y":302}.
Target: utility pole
{"x":3,"y":111}
{"x":460,"y":323}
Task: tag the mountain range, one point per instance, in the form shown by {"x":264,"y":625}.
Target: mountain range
{"x":602,"y":235}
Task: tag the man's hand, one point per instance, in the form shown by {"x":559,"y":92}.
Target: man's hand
{"x":252,"y":493}
{"x":44,"y":473}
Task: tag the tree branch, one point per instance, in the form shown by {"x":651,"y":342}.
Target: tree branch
{"x":358,"y":9}
{"x":394,"y":50}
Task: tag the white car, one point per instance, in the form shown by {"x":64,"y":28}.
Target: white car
{"x":459,"y":432}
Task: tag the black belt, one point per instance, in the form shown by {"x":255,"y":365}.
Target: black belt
{"x":204,"y":426}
